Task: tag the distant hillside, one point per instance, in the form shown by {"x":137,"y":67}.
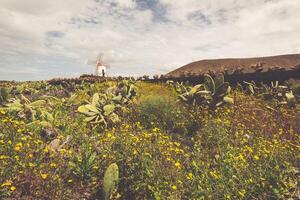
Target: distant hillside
{"x":240,"y":65}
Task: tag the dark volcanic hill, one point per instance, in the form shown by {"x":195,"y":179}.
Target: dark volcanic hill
{"x":240,"y":65}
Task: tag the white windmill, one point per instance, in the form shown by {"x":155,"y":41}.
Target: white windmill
{"x":101,"y":67}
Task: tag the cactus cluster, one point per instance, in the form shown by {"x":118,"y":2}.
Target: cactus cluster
{"x":103,"y":107}
{"x":125,"y":91}
{"x":100,"y":110}
{"x":212,"y":92}
{"x":280,"y":93}
{"x":27,"y":109}
{"x":219,"y":89}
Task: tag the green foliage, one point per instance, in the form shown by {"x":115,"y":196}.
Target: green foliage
{"x":85,"y":164}
{"x":125,"y":91}
{"x":26,"y":109}
{"x":110,"y":180}
{"x":101,"y":110}
{"x":295,"y":86}
{"x":103,"y":107}
{"x":164,"y":149}
{"x":251,"y":88}
{"x":218,"y":90}
{"x":158,"y":111}
{"x":290,"y":99}
{"x":3,"y":95}
{"x":212,"y":92}
{"x":242,"y":168}
{"x":164,"y":112}
{"x":281,"y":94}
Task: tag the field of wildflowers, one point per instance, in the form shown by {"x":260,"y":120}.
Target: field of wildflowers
{"x":56,"y":142}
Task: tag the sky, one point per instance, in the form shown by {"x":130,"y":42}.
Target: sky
{"x":43,"y":39}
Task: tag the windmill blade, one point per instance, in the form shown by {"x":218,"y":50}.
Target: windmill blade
{"x":92,"y":60}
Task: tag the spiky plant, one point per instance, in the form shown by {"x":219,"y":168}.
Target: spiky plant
{"x":219,"y":90}
{"x":110,"y":180}
{"x":100,"y":111}
{"x":212,"y":92}
{"x":3,"y":95}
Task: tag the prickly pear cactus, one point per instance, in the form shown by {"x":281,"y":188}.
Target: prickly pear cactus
{"x":3,"y":95}
{"x":110,"y":180}
{"x":209,"y":83}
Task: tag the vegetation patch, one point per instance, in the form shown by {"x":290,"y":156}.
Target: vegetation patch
{"x":127,"y":139}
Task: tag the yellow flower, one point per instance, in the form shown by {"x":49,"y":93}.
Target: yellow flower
{"x":17,"y":148}
{"x":242,"y":193}
{"x":46,"y":150}
{"x":177,"y":144}
{"x":134,"y":152}
{"x":12,"y":188}
{"x":30,"y":155}
{"x":53,"y":165}
{"x":7,"y":183}
{"x":63,"y":151}
{"x":44,"y":176}
{"x":174,"y":187}
{"x":70,"y":181}
{"x":156,"y":130}
{"x":2,"y":157}
{"x":178,"y":165}
{"x":256,"y":157}
{"x":189,"y":176}
{"x":2,"y":112}
{"x":215,"y":174}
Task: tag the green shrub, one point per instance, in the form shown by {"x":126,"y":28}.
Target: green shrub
{"x":158,"y":111}
{"x":165,"y":113}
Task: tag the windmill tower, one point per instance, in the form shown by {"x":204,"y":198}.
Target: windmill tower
{"x":100,"y":68}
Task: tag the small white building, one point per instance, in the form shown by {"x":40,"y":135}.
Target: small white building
{"x":100,"y":68}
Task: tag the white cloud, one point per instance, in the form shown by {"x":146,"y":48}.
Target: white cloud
{"x":51,"y":35}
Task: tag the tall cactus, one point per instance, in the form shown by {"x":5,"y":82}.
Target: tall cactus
{"x":3,"y":95}
{"x":218,"y":90}
{"x":110,"y":180}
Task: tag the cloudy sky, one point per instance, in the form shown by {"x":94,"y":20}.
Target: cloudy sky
{"x":41,"y":39}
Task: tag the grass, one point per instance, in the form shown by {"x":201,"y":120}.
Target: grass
{"x":164,"y":149}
